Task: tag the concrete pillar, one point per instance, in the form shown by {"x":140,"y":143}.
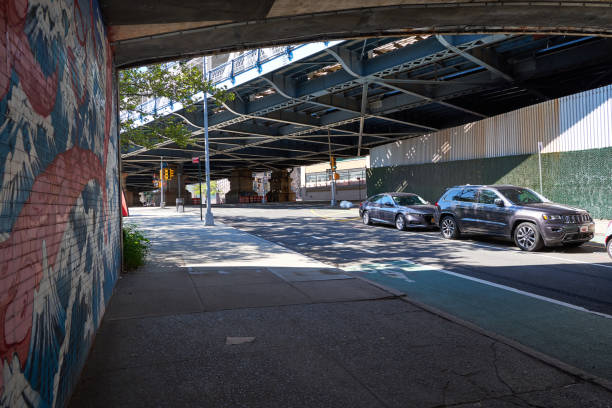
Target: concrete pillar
{"x":241,"y":186}
{"x":280,"y":187}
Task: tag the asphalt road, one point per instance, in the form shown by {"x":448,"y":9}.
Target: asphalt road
{"x":557,"y":301}
{"x":578,"y":276}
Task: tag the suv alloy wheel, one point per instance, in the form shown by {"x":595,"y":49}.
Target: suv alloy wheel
{"x":448,"y":228}
{"x":527,"y":237}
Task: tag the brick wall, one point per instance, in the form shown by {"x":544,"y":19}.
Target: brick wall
{"x":59,"y":213}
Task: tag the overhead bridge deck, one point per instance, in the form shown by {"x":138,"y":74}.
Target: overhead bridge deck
{"x":357,"y":94}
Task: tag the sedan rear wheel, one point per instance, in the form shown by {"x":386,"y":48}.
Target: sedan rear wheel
{"x":400,"y":222}
{"x":527,"y":237}
{"x":366,"y":218}
{"x":448,"y":228}
{"x":609,"y":247}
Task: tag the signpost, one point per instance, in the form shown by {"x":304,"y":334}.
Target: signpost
{"x":197,"y":160}
{"x":332,"y":165}
{"x":209,"y":216}
{"x":161,"y":180}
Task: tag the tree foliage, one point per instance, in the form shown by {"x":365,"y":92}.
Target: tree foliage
{"x":166,"y":83}
{"x":195,"y":188}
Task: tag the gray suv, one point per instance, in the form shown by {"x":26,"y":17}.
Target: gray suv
{"x":516,"y":213}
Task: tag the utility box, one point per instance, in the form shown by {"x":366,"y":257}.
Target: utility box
{"x":180,"y":205}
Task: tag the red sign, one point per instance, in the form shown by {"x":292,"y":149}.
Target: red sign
{"x":195,"y":159}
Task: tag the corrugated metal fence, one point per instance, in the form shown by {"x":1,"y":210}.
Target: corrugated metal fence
{"x":577,"y":122}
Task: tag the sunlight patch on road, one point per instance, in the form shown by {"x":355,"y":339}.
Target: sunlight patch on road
{"x":334,"y":218}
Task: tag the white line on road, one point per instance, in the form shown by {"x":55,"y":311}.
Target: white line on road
{"x":575,"y":260}
{"x":510,"y":289}
{"x":353,"y":247}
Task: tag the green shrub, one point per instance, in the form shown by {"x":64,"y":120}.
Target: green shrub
{"x":135,"y":247}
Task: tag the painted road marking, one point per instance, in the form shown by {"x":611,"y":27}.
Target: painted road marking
{"x":390,"y":269}
{"x":333,"y":218}
{"x":315,"y":237}
{"x":352,"y":246}
{"x":511,"y":289}
{"x":567,"y":332}
{"x":575,"y":260}
{"x":385,"y":269}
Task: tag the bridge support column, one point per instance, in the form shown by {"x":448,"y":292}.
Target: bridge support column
{"x":241,"y":186}
{"x":280,"y":187}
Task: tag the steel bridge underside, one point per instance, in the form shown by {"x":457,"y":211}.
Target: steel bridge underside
{"x":363,"y":93}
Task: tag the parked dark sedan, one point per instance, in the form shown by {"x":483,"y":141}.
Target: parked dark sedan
{"x":400,"y":209}
{"x":512,"y":212}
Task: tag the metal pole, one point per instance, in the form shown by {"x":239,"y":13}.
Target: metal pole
{"x":333,"y":180}
{"x":540,"y":165}
{"x":264,"y":179}
{"x":200,"y":180}
{"x":209,"y":216}
{"x":161,"y":181}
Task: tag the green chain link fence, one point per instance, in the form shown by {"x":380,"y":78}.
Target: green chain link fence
{"x":579,"y":178}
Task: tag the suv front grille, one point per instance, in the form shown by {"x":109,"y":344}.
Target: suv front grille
{"x":576,"y":219}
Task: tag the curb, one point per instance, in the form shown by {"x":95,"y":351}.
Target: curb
{"x":396,"y":293}
{"x":538,"y":355}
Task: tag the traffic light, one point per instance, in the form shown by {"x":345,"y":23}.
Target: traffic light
{"x":332,"y":163}
{"x":170,"y":174}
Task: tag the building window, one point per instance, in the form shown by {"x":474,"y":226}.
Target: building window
{"x":346,"y":176}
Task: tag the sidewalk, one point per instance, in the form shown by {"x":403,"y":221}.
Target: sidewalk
{"x":220,"y":318}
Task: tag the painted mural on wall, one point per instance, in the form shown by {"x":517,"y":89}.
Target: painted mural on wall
{"x":59,"y":226}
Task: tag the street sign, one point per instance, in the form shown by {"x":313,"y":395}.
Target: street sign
{"x":195,"y":159}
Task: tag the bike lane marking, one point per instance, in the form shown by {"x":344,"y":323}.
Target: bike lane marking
{"x":567,"y":332}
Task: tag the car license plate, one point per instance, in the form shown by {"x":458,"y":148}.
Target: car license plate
{"x":584,"y":228}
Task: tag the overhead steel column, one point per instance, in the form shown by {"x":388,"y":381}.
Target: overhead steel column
{"x":364,"y":104}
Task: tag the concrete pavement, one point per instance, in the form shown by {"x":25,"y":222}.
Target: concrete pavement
{"x":221,"y":318}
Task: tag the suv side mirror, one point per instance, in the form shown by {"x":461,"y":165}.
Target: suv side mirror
{"x":499,"y":202}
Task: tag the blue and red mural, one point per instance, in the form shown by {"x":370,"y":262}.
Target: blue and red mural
{"x":59,"y":194}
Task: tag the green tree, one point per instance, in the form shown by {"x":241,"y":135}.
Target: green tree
{"x":177,"y":83}
{"x":196,"y":188}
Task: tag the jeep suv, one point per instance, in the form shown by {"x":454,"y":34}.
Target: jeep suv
{"x":516,"y":213}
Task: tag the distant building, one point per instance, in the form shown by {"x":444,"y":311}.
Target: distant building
{"x":315,"y":180}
